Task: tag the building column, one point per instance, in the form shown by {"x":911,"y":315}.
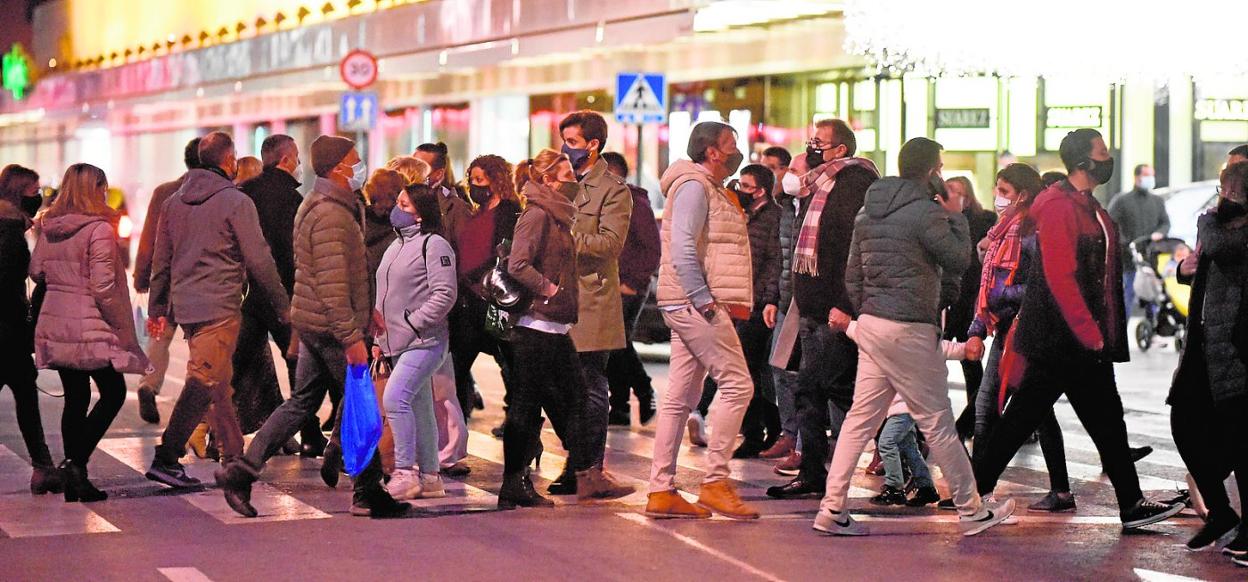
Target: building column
{"x":1180,"y":131}
{"x":1137,"y":129}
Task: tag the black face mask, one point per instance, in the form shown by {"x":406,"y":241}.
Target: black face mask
{"x":31,"y":205}
{"x":480,"y":195}
{"x":814,"y":157}
{"x":1102,"y":170}
{"x":1229,"y":210}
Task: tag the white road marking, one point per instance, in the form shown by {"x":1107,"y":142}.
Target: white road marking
{"x":270,"y":503}
{"x":183,"y":575}
{"x":1155,"y":576}
{"x":695,"y":544}
{"x":23,"y":515}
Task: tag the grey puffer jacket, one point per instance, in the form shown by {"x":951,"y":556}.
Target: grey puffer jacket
{"x":788,"y":242}
{"x":86,"y":322}
{"x":416,"y":289}
{"x":907,"y":254}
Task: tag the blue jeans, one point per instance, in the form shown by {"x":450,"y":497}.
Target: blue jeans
{"x":408,"y":401}
{"x":1128,"y":289}
{"x":898,"y":443}
{"x":786,"y":385}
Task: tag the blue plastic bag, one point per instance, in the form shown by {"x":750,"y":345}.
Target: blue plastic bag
{"x":140,"y":325}
{"x":361,"y":420}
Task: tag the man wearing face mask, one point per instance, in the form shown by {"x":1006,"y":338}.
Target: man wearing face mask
{"x":705,"y":283}
{"x":275,"y":194}
{"x":331,"y":310}
{"x":604,"y":208}
{"x":1072,"y":328}
{"x":455,"y":209}
{"x":831,"y":195}
{"x":208,"y":245}
{"x":1137,"y":214}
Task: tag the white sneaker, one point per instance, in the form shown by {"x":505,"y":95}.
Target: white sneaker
{"x":827,"y":524}
{"x":697,"y":429}
{"x":431,"y":486}
{"x":404,"y":484}
{"x":991,"y":500}
{"x":998,"y":512}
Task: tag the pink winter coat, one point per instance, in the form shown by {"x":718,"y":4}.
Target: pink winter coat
{"x":86,"y":322}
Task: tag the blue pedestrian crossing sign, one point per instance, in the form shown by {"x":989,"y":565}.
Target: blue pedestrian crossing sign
{"x":357,"y":111}
{"x":641,"y":98}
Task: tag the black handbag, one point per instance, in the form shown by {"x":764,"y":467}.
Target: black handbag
{"x":501,"y":289}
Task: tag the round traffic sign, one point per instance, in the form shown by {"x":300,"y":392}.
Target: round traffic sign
{"x":358,"y":69}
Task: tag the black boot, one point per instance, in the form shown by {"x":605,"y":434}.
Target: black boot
{"x":235,"y":477}
{"x":77,"y":487}
{"x":46,"y":479}
{"x":376,"y":502}
{"x":313,"y":442}
{"x":518,"y":491}
{"x":331,"y":466}
{"x":565,"y":484}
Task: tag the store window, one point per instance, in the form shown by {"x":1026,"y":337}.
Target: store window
{"x":1220,"y":111}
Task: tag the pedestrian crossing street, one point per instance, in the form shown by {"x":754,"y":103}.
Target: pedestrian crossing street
{"x":291,"y":489}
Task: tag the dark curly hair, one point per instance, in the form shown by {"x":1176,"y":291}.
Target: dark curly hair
{"x":499,"y":172}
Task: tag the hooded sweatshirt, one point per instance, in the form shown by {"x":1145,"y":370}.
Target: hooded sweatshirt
{"x":86,"y":322}
{"x":416,"y":289}
{"x":543,"y":253}
{"x":209,"y":241}
{"x":907,"y":255}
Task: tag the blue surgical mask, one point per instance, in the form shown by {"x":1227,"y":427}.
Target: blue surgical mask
{"x":576,"y":156}
{"x":402,"y":219}
{"x":359,"y":175}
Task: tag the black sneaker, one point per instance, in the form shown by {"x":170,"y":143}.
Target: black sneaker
{"x":1055,"y":502}
{"x":1148,"y":512}
{"x":645,"y":408}
{"x":924,"y":496}
{"x":565,"y":484}
{"x":147,"y":406}
{"x":331,"y":465}
{"x":382,"y":506}
{"x":172,"y":474}
{"x":1219,"y":524}
{"x":947,"y":505}
{"x":1138,"y":453}
{"x":890,"y":496}
{"x":1239,"y":546}
{"x":235,"y":481}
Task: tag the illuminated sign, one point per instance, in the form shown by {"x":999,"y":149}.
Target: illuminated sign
{"x":972,"y":118}
{"x":1073,"y":117}
{"x":1222,"y":110}
{"x":17,"y":72}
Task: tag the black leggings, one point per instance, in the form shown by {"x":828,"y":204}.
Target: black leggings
{"x":1210,"y":438}
{"x":17,"y":371}
{"x":81,"y":430}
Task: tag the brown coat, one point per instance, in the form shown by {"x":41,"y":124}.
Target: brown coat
{"x":542,"y":253}
{"x":86,"y":322}
{"x":604,"y":208}
{"x":331,"y":267}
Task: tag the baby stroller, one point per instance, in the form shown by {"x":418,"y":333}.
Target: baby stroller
{"x":1163,"y":299}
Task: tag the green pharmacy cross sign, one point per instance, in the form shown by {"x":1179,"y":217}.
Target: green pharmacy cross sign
{"x":17,"y":72}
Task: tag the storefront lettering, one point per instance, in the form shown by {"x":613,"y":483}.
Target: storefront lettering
{"x":1222,"y":110}
{"x":1072,"y":117}
{"x":976,"y":118}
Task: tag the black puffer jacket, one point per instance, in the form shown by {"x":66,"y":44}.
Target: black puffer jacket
{"x":1217,"y":333}
{"x":15,"y":328}
{"x":764,"y":227}
{"x":907,"y":255}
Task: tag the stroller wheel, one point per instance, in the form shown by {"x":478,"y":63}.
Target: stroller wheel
{"x":1144,"y":335}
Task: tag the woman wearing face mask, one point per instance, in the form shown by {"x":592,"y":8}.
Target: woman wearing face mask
{"x":416,"y":289}
{"x":960,"y":314}
{"x":999,"y":294}
{"x":1209,"y":398}
{"x":543,"y":260}
{"x":19,"y":201}
{"x":496,"y":209}
{"x":86,"y":326}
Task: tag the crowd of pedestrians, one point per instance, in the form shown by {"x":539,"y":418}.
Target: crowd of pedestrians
{"x":809,"y":295}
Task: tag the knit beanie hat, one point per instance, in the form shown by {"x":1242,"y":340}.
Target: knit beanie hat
{"x":328,"y":151}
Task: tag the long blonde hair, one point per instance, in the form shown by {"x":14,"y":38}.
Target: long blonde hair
{"x":83,"y":191}
{"x":413,"y":169}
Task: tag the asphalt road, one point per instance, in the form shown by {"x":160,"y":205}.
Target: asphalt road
{"x":148,"y":532}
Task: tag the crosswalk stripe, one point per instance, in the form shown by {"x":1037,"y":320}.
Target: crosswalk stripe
{"x":23,"y":515}
{"x":271,"y":504}
{"x":183,"y":575}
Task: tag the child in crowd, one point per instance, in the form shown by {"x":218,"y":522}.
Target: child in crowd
{"x":898,"y":443}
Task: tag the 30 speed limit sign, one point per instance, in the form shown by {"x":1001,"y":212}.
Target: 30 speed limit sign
{"x":358,"y":69}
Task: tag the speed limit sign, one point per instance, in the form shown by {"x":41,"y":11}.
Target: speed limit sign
{"x":358,"y":69}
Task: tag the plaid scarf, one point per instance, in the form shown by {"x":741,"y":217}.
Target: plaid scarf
{"x":1003,"y":252}
{"x":819,"y":182}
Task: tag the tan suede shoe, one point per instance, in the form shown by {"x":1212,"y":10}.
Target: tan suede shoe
{"x":721,"y":497}
{"x":670,"y":505}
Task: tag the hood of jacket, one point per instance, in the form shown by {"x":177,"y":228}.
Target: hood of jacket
{"x":200,"y":185}
{"x":553,"y":203}
{"x":683,"y":170}
{"x":65,"y":226}
{"x":888,"y":195}
{"x":8,"y":211}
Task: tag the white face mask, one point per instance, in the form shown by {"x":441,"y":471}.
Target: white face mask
{"x":1148,"y":182}
{"x":1001,"y":203}
{"x":791,"y":184}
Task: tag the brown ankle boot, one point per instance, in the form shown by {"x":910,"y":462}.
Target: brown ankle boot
{"x":721,"y":497}
{"x":597,"y":484}
{"x":670,"y":505}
